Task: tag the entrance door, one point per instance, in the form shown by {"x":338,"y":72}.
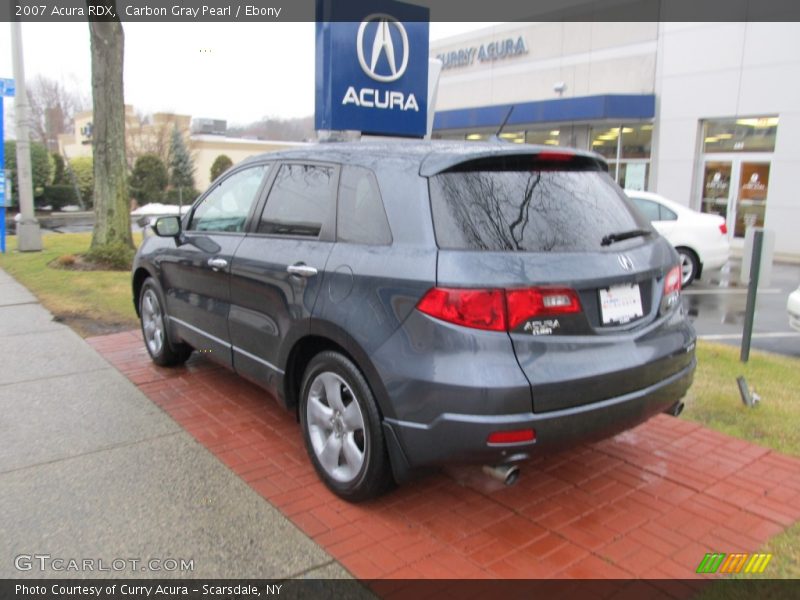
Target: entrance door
{"x":735,"y":187}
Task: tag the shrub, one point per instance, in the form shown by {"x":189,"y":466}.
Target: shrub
{"x":221,"y":164}
{"x":83,"y":169}
{"x":59,"y":196}
{"x":41,"y":167}
{"x":66,"y":260}
{"x":117,"y":257}
{"x":148,"y":179}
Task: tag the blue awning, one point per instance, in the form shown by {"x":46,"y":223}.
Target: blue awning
{"x":585,"y":108}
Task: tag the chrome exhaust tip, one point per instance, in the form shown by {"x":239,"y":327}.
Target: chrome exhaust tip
{"x":676,"y":409}
{"x":508,"y":474}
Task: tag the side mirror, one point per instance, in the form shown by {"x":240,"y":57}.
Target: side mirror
{"x":167,"y":226}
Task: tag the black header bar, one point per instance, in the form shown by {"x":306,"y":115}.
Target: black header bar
{"x":231,"y":11}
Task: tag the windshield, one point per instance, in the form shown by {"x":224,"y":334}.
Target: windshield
{"x":540,"y":209}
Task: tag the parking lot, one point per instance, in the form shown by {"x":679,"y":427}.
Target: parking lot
{"x":717,"y":304}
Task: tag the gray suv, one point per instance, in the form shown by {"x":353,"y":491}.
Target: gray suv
{"x":424,"y":303}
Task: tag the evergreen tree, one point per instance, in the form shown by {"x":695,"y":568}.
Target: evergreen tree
{"x":181,"y":168}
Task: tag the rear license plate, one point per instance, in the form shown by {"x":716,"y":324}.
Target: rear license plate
{"x":621,"y":303}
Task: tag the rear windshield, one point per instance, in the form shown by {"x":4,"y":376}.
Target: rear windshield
{"x":540,"y":206}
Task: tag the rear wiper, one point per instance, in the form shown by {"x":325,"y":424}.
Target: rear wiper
{"x":625,"y":235}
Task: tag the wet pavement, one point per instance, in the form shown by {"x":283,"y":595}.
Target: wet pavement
{"x":717,"y":307}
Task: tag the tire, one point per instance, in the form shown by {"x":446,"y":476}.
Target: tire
{"x":152,"y":316}
{"x":342,"y":429}
{"x":690,"y":266}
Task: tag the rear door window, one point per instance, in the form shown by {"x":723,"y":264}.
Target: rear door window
{"x":301,"y":200}
{"x":522,"y":204}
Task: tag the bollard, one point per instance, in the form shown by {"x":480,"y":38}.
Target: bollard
{"x":752,"y":292}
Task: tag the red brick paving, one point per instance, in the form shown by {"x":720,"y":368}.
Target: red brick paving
{"x":648,"y":503}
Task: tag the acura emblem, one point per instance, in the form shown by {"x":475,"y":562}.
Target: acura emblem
{"x":625,"y":262}
{"x":383,"y":45}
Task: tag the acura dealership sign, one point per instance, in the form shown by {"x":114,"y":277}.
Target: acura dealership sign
{"x":372,"y":75}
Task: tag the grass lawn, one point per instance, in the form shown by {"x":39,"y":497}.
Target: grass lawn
{"x":96,"y":302}
{"x":91,"y":302}
{"x":714,"y":401}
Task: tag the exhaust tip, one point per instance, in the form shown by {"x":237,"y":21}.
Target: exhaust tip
{"x":508,"y":474}
{"x":676,"y":409}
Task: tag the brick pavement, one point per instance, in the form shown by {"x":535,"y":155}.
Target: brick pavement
{"x":648,"y":503}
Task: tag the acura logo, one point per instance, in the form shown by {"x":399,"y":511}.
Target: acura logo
{"x":396,"y":59}
{"x":625,"y":262}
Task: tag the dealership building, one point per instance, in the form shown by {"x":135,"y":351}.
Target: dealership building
{"x":707,"y":114}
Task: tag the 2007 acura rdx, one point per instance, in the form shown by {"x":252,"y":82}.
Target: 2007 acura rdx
{"x":421,"y":303}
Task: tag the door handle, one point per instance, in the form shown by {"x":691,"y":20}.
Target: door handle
{"x":217,"y":263}
{"x":301,"y":270}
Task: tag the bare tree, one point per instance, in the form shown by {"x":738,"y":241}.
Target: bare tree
{"x":52,"y":110}
{"x":111,"y":203}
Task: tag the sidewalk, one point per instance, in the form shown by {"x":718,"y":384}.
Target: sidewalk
{"x":90,"y":468}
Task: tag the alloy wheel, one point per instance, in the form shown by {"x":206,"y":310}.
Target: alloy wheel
{"x":152,"y":322}
{"x":336,"y":427}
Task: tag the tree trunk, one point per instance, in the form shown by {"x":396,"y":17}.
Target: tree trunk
{"x":111,"y":203}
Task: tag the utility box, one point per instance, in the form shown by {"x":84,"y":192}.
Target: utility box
{"x":767,"y":252}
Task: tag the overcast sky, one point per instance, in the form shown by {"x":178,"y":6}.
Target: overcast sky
{"x":234,"y":71}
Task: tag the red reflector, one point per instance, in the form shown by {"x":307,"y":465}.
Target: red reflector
{"x":512,"y":437}
{"x":480,"y":309}
{"x":723,"y":229}
{"x":672,"y":282}
{"x":540,"y":302}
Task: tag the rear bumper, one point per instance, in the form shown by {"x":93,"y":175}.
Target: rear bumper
{"x":716,"y":256}
{"x":462,"y":438}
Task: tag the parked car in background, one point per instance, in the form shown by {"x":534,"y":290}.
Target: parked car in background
{"x":700,"y":239}
{"x":425,"y":303}
{"x":793,"y":308}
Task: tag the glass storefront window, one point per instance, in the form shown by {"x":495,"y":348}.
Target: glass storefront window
{"x":631,"y":142}
{"x":636,"y":141}
{"x":744,"y":134}
{"x":605,"y":141}
{"x":633,"y":175}
{"x":545,"y":137}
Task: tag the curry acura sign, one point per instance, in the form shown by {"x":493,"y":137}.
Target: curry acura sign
{"x":493,"y":51}
{"x":372,"y":72}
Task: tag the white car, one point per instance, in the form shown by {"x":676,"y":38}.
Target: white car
{"x":701,"y":239}
{"x":793,"y":307}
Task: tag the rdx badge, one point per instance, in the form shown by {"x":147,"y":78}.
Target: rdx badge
{"x":545,"y":327}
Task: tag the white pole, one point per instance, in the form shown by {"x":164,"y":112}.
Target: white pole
{"x":29,"y":237}
{"x":434,"y":71}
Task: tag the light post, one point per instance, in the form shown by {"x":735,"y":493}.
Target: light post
{"x":29,"y":236}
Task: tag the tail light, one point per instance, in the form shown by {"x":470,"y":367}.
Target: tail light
{"x":672,"y":282}
{"x":539,"y":302}
{"x":672,"y":290}
{"x":479,"y":309}
{"x":723,"y":228}
{"x":497,"y":309}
